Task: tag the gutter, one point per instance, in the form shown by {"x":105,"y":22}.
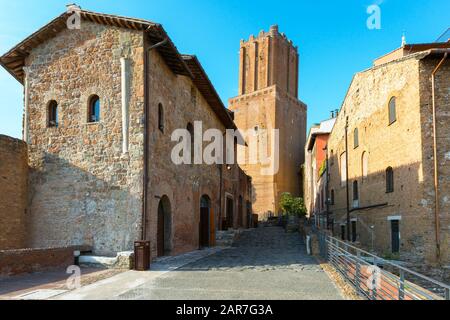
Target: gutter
{"x":436,"y":171}
{"x":146,"y":138}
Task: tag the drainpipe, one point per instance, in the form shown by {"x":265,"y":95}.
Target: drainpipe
{"x":346,"y":180}
{"x":146,"y":138}
{"x":436,"y":173}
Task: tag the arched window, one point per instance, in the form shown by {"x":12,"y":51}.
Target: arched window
{"x":392,"y":111}
{"x":365,"y":165}
{"x":389,"y":180}
{"x":94,"y":109}
{"x":190,"y":129}
{"x":356,"y":138}
{"x":332,"y":198}
{"x":355,"y":191}
{"x":161,"y":118}
{"x":53,"y":114}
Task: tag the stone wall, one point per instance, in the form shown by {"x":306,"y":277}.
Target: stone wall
{"x":13,"y":191}
{"x":442,"y":93}
{"x":405,"y":145}
{"x":83,"y":189}
{"x":184,"y":185}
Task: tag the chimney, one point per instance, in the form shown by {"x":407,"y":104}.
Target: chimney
{"x":336,"y":113}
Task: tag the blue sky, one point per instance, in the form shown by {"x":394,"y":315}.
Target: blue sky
{"x":333,"y":39}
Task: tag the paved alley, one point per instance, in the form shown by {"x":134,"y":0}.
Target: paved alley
{"x":266,"y":263}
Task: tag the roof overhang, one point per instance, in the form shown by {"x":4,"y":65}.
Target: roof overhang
{"x":204,"y":85}
{"x":14,"y":60}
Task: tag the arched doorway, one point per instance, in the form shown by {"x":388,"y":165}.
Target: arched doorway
{"x":204,"y":226}
{"x":164,"y":227}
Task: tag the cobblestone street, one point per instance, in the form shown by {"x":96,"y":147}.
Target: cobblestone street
{"x":265,"y":263}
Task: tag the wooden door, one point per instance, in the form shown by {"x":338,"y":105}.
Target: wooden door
{"x":204,"y":227}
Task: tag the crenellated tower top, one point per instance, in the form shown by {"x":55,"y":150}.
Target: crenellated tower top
{"x":266,"y":60}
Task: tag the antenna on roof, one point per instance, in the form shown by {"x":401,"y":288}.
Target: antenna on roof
{"x":73,"y":6}
{"x":403,"y":39}
{"x":445,"y":37}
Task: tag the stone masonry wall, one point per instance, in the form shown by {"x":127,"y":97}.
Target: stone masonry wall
{"x":83,"y":189}
{"x":13,"y":193}
{"x":398,"y":146}
{"x":442,"y":93}
{"x":184,"y":185}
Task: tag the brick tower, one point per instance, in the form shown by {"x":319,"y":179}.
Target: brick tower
{"x":268,"y":99}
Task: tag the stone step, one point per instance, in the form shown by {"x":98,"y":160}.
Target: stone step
{"x":123,"y":261}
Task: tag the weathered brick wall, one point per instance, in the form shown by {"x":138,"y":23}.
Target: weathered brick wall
{"x":184,"y":185}
{"x":268,"y":99}
{"x":442,"y":93}
{"x":13,"y":193}
{"x":398,"y":146}
{"x":83,"y":189}
{"x":15,"y":262}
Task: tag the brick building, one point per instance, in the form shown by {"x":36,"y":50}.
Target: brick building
{"x":316,"y":192}
{"x":101,"y":103}
{"x":391,"y":166}
{"x":267,"y":101}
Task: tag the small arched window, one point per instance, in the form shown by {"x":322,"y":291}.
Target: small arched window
{"x":389,"y":180}
{"x":190,"y":129}
{"x":161,"y":118}
{"x":392,"y":110}
{"x":94,"y":109}
{"x":53,"y":114}
{"x":356,"y":138}
{"x":355,"y":191}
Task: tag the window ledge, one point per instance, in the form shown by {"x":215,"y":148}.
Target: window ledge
{"x":93,"y":123}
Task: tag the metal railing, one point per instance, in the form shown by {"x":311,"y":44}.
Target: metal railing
{"x":375,"y":278}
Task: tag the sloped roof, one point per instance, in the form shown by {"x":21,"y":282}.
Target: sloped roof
{"x":204,"y":85}
{"x":325,"y":127}
{"x":14,"y":60}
